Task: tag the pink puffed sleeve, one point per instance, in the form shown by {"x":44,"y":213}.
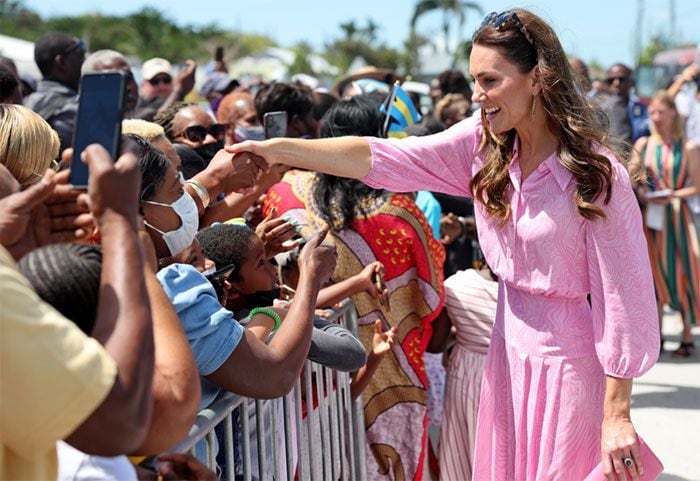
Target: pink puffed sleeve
{"x":442,"y":162}
{"x":625,"y":320}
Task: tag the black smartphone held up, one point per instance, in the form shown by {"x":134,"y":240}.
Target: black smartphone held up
{"x":381,"y":286}
{"x":275,"y":124}
{"x":99,"y":119}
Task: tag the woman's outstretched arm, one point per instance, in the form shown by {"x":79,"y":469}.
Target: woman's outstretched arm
{"x":340,"y":156}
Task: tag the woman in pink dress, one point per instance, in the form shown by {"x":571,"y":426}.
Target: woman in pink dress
{"x":557,"y":221}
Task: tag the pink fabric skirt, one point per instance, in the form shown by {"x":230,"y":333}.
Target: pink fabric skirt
{"x":542,"y":395}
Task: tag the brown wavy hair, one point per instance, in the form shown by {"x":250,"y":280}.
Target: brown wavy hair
{"x":569,"y":115}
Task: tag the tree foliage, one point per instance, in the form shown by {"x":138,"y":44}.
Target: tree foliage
{"x":146,"y":33}
{"x":362,"y":41}
{"x":657,"y":43}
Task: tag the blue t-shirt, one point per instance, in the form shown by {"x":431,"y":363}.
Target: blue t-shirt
{"x":431,"y":209}
{"x":211,"y":329}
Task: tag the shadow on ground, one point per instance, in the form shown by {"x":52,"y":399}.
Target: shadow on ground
{"x":670,"y":397}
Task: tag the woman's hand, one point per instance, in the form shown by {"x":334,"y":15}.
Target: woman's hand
{"x":254,"y":147}
{"x":275,"y":234}
{"x":619,"y":444}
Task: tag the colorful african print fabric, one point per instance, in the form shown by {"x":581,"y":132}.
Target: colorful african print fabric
{"x":394,"y":231}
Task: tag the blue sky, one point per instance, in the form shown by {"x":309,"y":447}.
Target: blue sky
{"x":601,"y":30}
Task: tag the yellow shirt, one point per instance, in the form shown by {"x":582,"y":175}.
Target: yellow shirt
{"x":52,"y":377}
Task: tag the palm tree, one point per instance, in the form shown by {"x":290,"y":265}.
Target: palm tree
{"x":449,"y":8}
{"x":350,"y":29}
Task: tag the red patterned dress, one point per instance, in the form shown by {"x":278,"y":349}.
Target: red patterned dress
{"x":395,"y":232}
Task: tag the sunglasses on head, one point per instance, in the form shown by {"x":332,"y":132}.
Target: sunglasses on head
{"x":160,"y":80}
{"x":197,"y":133}
{"x":221,"y":275}
{"x":77,"y":45}
{"x":610,"y":80}
{"x":501,"y":21}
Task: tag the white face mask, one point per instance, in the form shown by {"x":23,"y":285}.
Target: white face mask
{"x":180,"y":239}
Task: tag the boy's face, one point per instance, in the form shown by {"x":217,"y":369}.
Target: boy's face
{"x":256,"y":274}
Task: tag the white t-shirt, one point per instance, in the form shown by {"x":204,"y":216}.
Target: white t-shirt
{"x":74,"y":465}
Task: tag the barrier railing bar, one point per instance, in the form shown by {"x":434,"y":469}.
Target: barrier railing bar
{"x":245,"y":441}
{"x":260,"y":435}
{"x":229,"y":447}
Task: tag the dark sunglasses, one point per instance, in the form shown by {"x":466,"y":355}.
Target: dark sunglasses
{"x":197,"y":133}
{"x":221,"y":275}
{"x":611,"y":80}
{"x":160,"y":80}
{"x":78,"y":45}
{"x":500,"y":21}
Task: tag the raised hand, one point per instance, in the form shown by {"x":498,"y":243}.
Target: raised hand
{"x":184,"y":81}
{"x":275,"y":234}
{"x":382,"y":340}
{"x":318,"y":260}
{"x":113,"y":187}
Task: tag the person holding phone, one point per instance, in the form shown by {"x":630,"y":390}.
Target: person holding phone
{"x":84,"y":386}
{"x":558,"y":221}
{"x":371,"y":226}
{"x":672,"y":167}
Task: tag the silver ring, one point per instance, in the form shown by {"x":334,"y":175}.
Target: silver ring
{"x":628,"y":462}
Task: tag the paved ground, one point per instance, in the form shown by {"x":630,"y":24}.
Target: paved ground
{"x":666,"y":408}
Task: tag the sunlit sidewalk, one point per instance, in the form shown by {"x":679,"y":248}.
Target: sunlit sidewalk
{"x":666,"y":407}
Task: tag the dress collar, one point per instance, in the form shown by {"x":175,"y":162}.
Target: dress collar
{"x":551,"y":163}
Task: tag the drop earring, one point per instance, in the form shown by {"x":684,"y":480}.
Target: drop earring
{"x":532,"y":109}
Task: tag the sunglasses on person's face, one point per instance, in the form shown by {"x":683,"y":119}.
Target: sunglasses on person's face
{"x":611,"y":80}
{"x":221,"y":275}
{"x":79,"y":45}
{"x":197,"y":133}
{"x":155,"y":81}
{"x":503,"y":20}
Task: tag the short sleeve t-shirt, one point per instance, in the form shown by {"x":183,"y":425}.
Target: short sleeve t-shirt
{"x":52,"y":377}
{"x":212,"y":330}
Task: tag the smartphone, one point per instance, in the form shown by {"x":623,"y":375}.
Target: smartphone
{"x":219,"y":54}
{"x":99,"y":119}
{"x":275,"y":124}
{"x":381,"y":286}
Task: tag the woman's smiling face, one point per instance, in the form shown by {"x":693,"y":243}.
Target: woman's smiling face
{"x":505,"y":93}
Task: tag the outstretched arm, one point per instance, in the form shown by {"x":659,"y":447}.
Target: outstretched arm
{"x":341,"y":156}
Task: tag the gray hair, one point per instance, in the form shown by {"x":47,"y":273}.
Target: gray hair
{"x":95,"y":62}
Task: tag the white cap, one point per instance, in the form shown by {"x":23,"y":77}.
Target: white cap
{"x":154,"y":66}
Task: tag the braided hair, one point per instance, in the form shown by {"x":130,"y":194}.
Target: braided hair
{"x":67,"y":276}
{"x":165,"y":118}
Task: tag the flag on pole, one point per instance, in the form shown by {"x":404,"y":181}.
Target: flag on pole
{"x":401,"y":113}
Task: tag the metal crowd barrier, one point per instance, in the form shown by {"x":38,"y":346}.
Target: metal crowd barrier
{"x":326,"y":442}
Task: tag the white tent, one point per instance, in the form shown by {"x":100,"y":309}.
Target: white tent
{"x":22,"y":53}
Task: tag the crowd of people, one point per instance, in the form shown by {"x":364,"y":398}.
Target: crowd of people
{"x":509,"y":259}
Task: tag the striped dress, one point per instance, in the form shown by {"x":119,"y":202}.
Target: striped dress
{"x":674,"y":251}
{"x":471,"y":302}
